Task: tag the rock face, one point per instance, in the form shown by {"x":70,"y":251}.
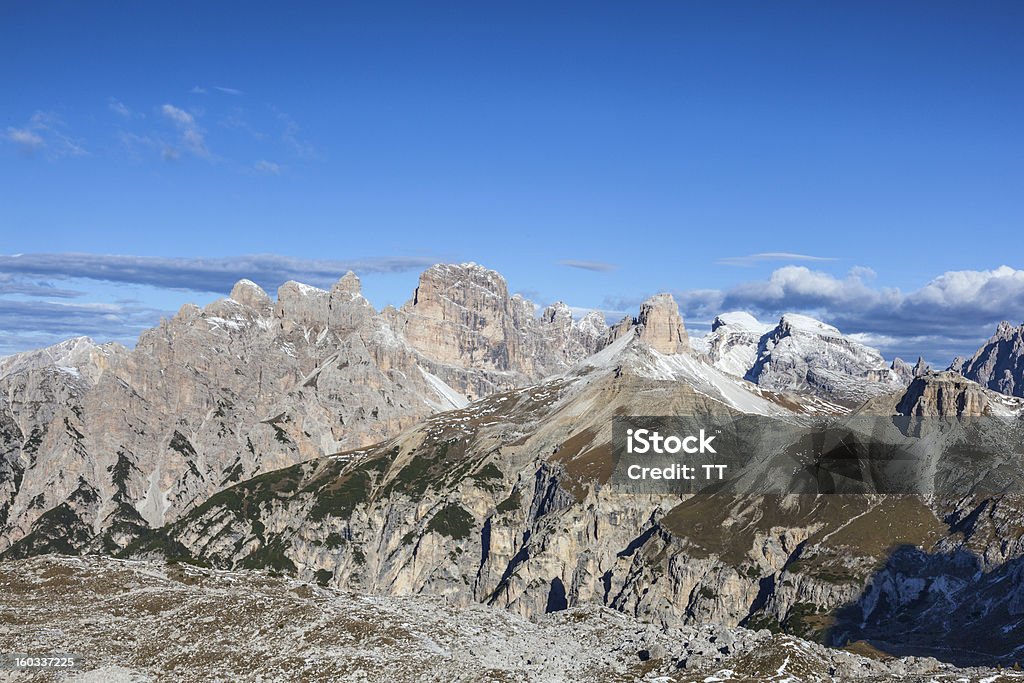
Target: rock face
{"x":943,"y":394}
{"x":802,"y":354}
{"x":462,"y":316}
{"x":118,"y":441}
{"x":315,"y":436}
{"x":902,"y":369}
{"x":661,"y":326}
{"x":999,"y":363}
{"x":509,"y":502}
{"x":78,"y":356}
{"x":732,"y":344}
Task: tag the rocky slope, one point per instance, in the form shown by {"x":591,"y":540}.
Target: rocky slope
{"x":509,"y":502}
{"x":999,"y":363}
{"x":315,"y":436}
{"x":800,"y":354}
{"x":104,"y":442}
{"x":134,"y":621}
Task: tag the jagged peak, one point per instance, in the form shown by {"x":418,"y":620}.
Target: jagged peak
{"x":595,"y":320}
{"x":463,"y":284}
{"x":740,"y":320}
{"x":293,"y":288}
{"x":1007,"y":330}
{"x":796,"y":322}
{"x":556,"y":311}
{"x":348,"y":284}
{"x":188,"y":311}
{"x":468,"y":268}
{"x":248,"y":293}
{"x":661,"y":325}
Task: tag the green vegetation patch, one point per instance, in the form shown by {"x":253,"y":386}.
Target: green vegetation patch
{"x":452,"y":521}
{"x":488,"y":477}
{"x":512,"y":503}
{"x":431,"y":468}
{"x":182,"y":445}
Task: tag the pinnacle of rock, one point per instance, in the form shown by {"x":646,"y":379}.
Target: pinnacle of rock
{"x":661,"y":326}
{"x":248,"y":293}
{"x":348,"y":284}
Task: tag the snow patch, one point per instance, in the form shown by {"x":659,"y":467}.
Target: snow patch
{"x":450,"y":398}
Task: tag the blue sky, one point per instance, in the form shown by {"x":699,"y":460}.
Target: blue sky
{"x":870,"y":153}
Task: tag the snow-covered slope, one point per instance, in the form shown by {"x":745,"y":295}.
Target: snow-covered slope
{"x":799,"y":354}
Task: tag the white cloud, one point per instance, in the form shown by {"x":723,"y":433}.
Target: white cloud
{"x":192,"y":136}
{"x":24,"y":137}
{"x":179,"y":116}
{"x":953,"y":312}
{"x":44,"y":131}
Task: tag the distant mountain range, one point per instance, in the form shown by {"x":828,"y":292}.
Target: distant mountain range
{"x":461,"y":446}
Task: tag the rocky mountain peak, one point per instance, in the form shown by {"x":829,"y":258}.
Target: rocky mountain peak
{"x":661,"y":326}
{"x":999,"y":363}
{"x":902,"y":369}
{"x":801,"y":354}
{"x":921,"y":368}
{"x":468,"y":285}
{"x":739,"y":320}
{"x":943,"y":394}
{"x":78,"y":356}
{"x":349,"y":284}
{"x":248,"y":293}
{"x":794,"y":323}
{"x":593,"y":325}
{"x":302,"y":306}
{"x":1006,"y":330}
{"x":557,"y":312}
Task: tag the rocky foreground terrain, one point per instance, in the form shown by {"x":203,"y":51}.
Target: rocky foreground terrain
{"x":460,"y":447}
{"x":137,"y":621}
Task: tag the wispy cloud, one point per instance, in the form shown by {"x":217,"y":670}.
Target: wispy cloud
{"x":25,"y":137}
{"x":44,"y":131}
{"x":752,"y":259}
{"x":201,"y":90}
{"x":33,"y":324}
{"x":121,"y":109}
{"x":202,"y":274}
{"x":191,"y":135}
{"x":268,"y":167}
{"x":10,"y":284}
{"x":595,"y":266}
{"x":291,"y":138}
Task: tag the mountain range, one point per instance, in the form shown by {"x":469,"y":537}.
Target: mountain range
{"x":460,"y":446}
